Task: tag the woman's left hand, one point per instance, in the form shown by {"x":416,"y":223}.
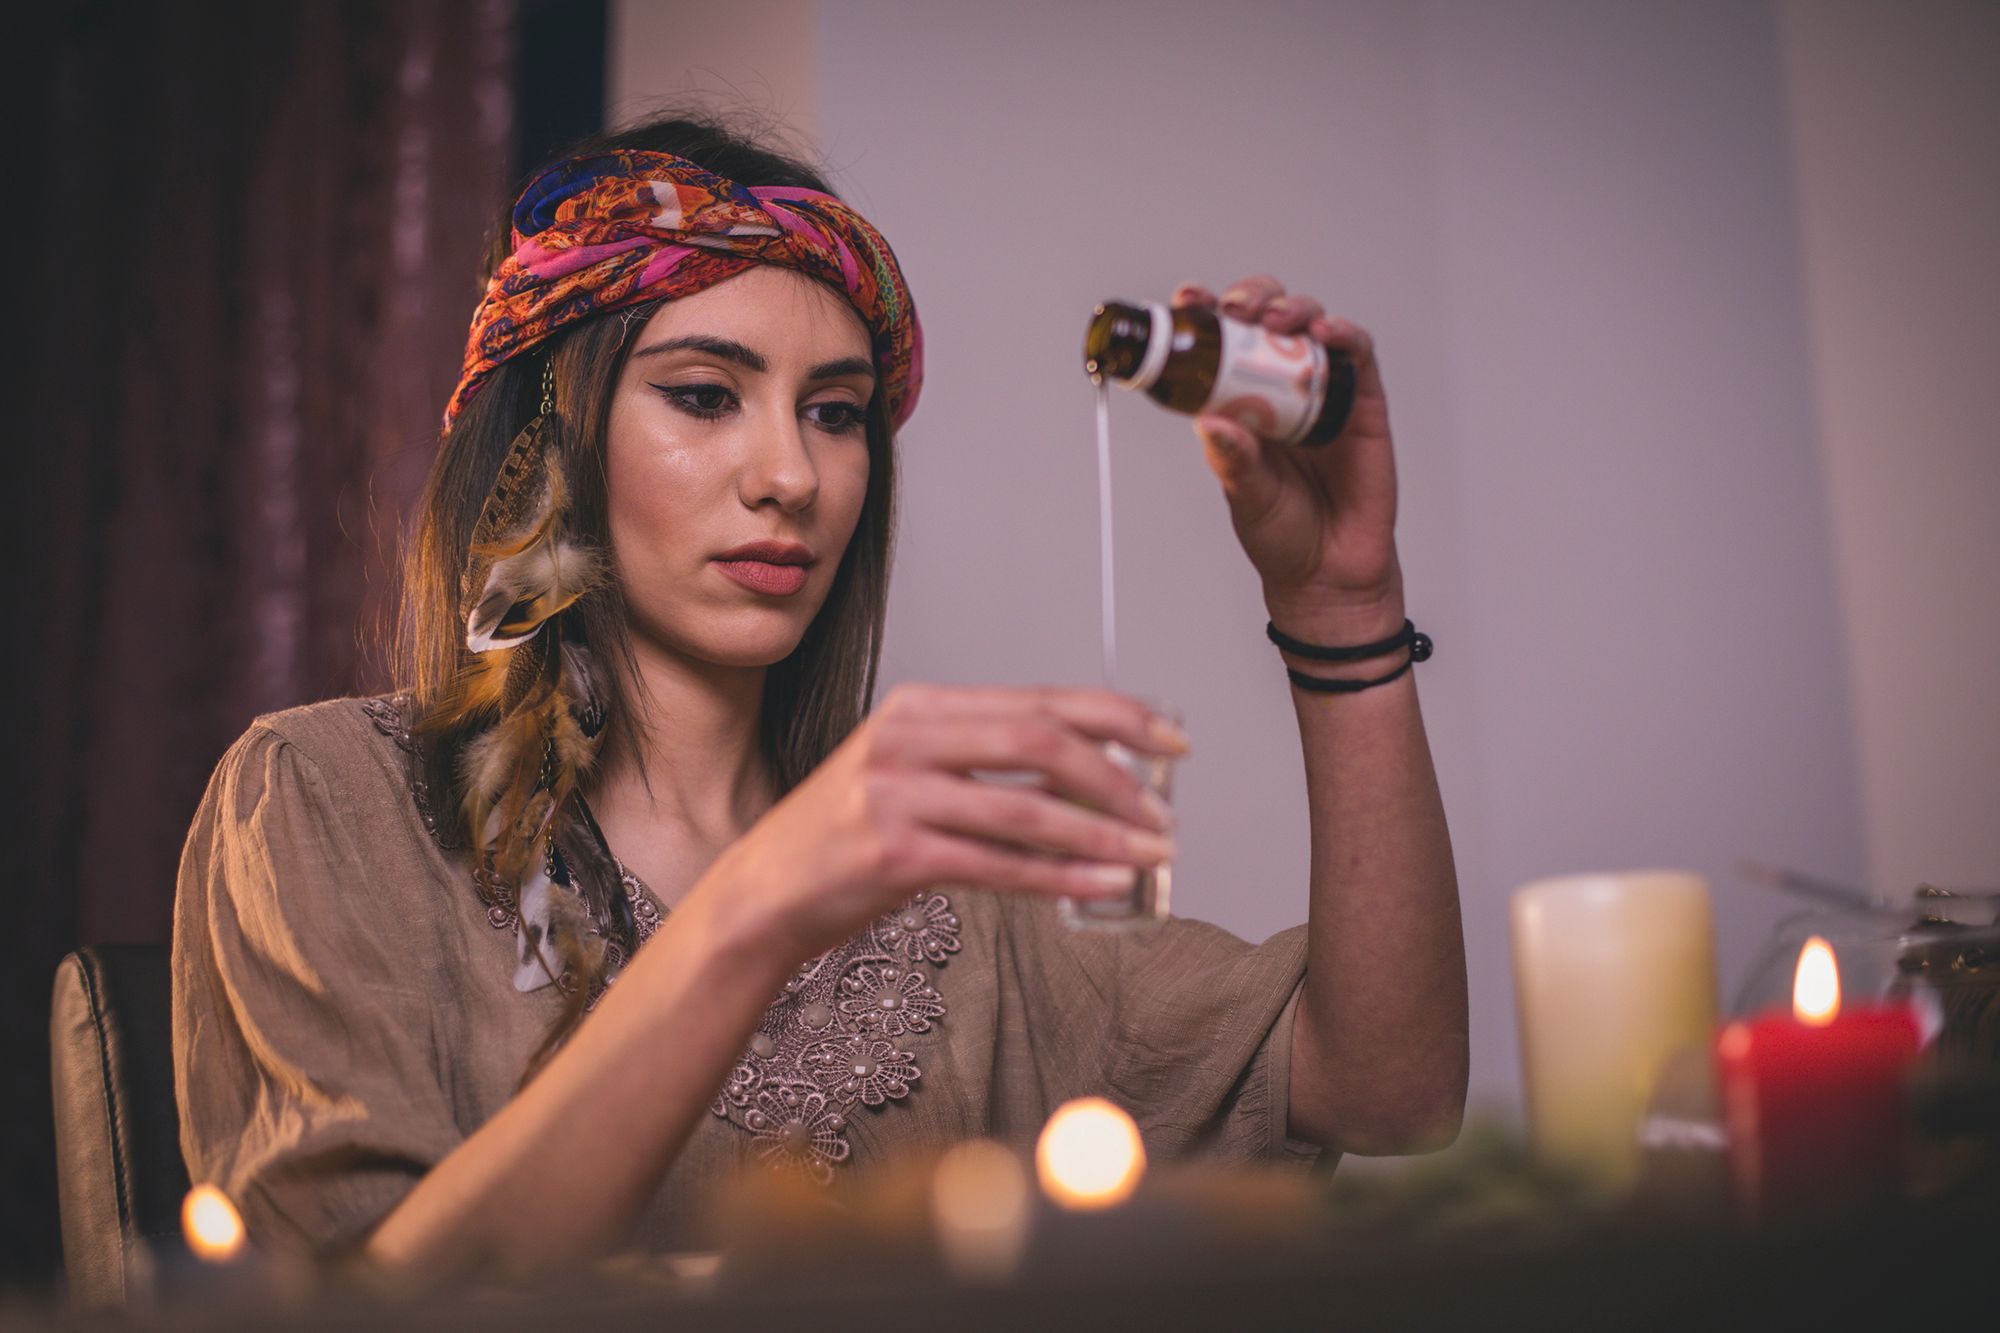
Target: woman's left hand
{"x":1318,"y":523}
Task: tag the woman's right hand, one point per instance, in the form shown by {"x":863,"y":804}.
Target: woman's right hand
{"x":895,"y":810}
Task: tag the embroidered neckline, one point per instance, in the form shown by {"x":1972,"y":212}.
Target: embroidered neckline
{"x":386,"y":712}
{"x":502,"y":903}
{"x":837,"y":1033}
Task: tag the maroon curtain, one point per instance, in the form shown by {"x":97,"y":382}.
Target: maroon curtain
{"x":244,"y":245}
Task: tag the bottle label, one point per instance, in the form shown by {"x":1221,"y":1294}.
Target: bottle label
{"x":1270,"y":383}
{"x":1159,"y":342}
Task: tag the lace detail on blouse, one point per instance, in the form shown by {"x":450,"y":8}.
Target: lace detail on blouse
{"x":386,"y":713}
{"x":838,"y":1033}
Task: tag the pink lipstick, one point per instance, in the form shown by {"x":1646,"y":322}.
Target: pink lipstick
{"x":760,"y":576}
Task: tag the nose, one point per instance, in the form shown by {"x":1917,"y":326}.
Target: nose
{"x":778,"y":465}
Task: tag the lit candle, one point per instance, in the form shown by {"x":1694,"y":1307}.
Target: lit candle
{"x":1612,"y":974}
{"x":213,"y":1228}
{"x":981,"y":1206}
{"x":220,"y":1268}
{"x":1089,"y":1155}
{"x":1814,"y":1100}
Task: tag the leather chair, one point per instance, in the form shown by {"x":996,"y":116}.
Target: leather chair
{"x":120,"y":1176}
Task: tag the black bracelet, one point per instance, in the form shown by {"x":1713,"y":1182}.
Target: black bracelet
{"x":1318,"y":685}
{"x":1409,"y":636}
{"x":1418,"y":643}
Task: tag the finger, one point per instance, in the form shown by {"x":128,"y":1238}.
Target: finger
{"x":997,"y":743}
{"x":1292,"y":314}
{"x":944,"y":858}
{"x":1104,"y":715}
{"x":1343,"y":335}
{"x":1194,"y":296}
{"x":1030,"y":818}
{"x":1237,"y":457}
{"x":1246,"y":297}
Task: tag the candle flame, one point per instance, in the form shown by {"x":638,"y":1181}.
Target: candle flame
{"x":1816,"y":985}
{"x":212,"y":1225}
{"x":1090,"y":1155}
{"x":980,"y":1205}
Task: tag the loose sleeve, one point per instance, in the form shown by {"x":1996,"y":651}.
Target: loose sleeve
{"x":306,"y":1066}
{"x":1186,"y":1026}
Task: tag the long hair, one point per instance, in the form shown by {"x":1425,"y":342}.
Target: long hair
{"x":813,"y":698}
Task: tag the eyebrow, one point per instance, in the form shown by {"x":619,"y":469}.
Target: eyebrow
{"x":731,"y":350}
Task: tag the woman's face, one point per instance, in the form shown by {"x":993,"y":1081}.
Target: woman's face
{"x":740,"y":416}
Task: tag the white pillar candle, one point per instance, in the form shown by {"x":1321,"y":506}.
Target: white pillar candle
{"x":1612,"y":974}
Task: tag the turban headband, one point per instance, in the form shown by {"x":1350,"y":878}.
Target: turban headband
{"x":593,"y":234}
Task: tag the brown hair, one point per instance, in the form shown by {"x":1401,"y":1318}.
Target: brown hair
{"x":812,"y":698}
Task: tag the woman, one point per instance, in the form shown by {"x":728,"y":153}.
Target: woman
{"x":399,"y":920}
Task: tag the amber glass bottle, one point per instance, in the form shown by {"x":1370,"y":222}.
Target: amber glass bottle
{"x":1285,"y":387}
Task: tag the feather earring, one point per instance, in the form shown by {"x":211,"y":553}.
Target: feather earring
{"x":523,"y":570}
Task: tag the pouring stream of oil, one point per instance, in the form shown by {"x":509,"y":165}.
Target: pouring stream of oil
{"x":1104,"y":529}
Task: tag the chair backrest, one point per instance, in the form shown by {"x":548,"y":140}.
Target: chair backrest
{"x":120,"y":1176}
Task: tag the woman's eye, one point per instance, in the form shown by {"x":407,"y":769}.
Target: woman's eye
{"x":839,"y":418}
{"x":711,"y":401}
{"x":707,"y":401}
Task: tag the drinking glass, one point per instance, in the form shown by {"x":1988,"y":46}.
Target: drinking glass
{"x":1936,"y":951}
{"x":1147,"y":901}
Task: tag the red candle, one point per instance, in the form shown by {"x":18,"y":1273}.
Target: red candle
{"x":1814,"y":1100}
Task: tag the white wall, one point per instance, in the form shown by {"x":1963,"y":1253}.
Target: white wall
{"x":1897,"y":110}
{"x":1573,"y":228}
{"x":750,"y":55}
{"x":1657,"y":671}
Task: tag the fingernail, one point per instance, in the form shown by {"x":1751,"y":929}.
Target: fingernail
{"x":1216,"y":432}
{"x":1169,"y":736}
{"x":1111,"y":879}
{"x":1157,"y":809}
{"x":1236,"y":296}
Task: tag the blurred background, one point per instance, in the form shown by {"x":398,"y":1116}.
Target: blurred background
{"x":1685,"y":308}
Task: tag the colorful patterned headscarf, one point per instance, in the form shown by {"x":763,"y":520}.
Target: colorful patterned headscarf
{"x":592,"y":234}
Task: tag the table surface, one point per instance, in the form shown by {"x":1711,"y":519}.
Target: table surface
{"x":1901,"y":1267}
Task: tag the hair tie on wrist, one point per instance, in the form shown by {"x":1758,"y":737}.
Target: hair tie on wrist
{"x":1409,"y":636}
{"x":1418,"y":643}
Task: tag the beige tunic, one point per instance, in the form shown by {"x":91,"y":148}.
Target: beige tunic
{"x":345,"y":1011}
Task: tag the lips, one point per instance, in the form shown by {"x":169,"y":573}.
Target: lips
{"x":762,"y":576}
{"x":770,"y":552}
